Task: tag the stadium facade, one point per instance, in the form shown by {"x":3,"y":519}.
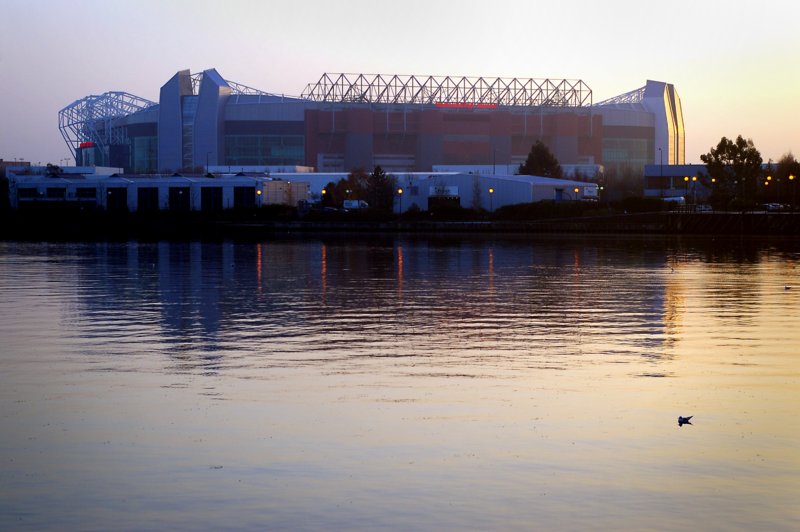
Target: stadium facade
{"x":348,"y":121}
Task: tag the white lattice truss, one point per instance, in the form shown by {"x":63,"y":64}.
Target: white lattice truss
{"x":90,"y":119}
{"x":634,"y":96}
{"x":236,"y":88}
{"x":377,"y":88}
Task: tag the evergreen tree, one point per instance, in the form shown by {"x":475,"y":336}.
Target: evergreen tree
{"x":380,"y":190}
{"x":541,"y":162}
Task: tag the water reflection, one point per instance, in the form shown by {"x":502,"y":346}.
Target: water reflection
{"x":409,"y":382}
{"x":435,"y":295}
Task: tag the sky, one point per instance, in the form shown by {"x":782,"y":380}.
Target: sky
{"x":735,"y":64}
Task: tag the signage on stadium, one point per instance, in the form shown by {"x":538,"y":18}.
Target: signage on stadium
{"x":463,"y":105}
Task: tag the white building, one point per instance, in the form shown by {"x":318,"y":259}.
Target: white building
{"x":109,"y":189}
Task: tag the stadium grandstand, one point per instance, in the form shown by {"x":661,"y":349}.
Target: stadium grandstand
{"x":348,"y":121}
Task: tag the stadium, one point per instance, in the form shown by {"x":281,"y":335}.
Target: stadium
{"x":348,"y":121}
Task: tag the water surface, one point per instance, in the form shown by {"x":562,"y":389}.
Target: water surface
{"x":400,"y":383}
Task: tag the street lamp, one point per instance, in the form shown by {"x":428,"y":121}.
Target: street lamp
{"x":766,"y":188}
{"x":491,"y":202}
{"x":694,"y":188}
{"x":576,"y":190}
{"x":794,"y":188}
{"x":400,"y":199}
{"x":686,"y":182}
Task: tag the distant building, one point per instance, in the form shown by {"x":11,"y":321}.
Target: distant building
{"x":675,"y":180}
{"x":12,"y":164}
{"x":401,"y":123}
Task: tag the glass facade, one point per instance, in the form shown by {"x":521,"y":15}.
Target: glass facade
{"x":144,"y":154}
{"x":188,"y":112}
{"x":627,"y":152}
{"x":251,"y":150}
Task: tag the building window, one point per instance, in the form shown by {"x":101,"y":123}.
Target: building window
{"x":267,"y":150}
{"x":188,"y":112}
{"x":27,"y":192}
{"x":85,"y":192}
{"x":144,"y":154}
{"x":619,"y":153}
{"x":57,"y":192}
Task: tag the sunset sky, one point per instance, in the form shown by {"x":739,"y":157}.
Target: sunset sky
{"x":733,"y":63}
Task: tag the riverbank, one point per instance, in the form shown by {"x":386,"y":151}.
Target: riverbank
{"x":24,"y":226}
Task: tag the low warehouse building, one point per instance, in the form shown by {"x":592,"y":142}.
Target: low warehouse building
{"x":108,"y":189}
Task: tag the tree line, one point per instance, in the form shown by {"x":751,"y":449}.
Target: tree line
{"x":734,"y":174}
{"x":737,"y":177}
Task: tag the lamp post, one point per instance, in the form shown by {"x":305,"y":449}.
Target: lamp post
{"x":400,"y":199}
{"x":794,"y":188}
{"x":491,"y":200}
{"x":694,"y":189}
{"x":576,"y":190}
{"x":686,"y":183}
{"x":766,"y":188}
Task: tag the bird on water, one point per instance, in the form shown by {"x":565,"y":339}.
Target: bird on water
{"x":684,"y":420}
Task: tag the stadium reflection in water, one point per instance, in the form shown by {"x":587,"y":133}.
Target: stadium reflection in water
{"x":435,"y":383}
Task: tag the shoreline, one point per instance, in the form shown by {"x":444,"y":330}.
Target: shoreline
{"x":24,"y":226}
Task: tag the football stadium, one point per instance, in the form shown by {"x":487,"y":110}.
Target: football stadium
{"x":401,"y":123}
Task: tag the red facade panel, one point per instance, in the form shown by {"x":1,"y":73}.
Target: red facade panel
{"x":358,"y":120}
{"x":573,"y":137}
{"x":467,"y":152}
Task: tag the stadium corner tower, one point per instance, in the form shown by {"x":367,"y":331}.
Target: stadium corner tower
{"x":347,"y":121}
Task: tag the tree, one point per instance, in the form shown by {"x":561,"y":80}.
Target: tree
{"x":787,"y":165}
{"x":787,"y":174}
{"x":380,"y":189}
{"x":620,"y":182}
{"x":541,"y":162}
{"x":377,"y":189}
{"x":477,"y":193}
{"x":53,"y":170}
{"x":733,"y":168}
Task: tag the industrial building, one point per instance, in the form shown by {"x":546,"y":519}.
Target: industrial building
{"x":348,"y":121}
{"x":673,"y":181}
{"x":111,"y":190}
